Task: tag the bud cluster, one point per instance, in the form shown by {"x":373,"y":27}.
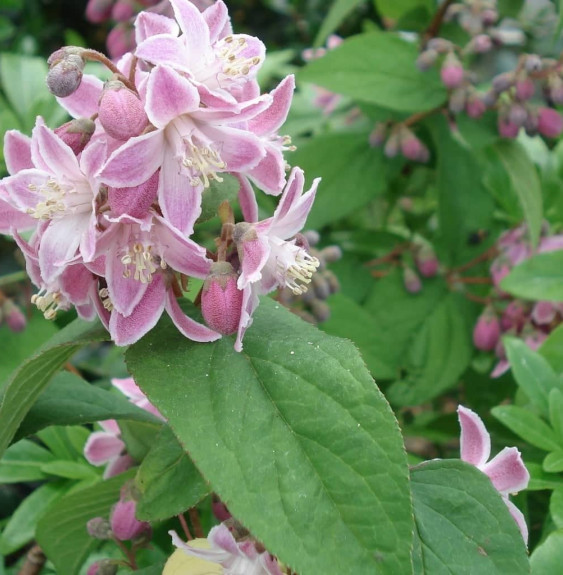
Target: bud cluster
{"x":399,"y":139}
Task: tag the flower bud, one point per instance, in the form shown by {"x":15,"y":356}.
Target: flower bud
{"x":452,"y":72}
{"x":490,"y":98}
{"x":555,"y":85}
{"x":506,"y":128}
{"x":99,"y":528}
{"x":320,"y":286}
{"x":103,"y":567}
{"x":313,"y":237}
{"x":514,"y":316}
{"x":426,"y":59}
{"x":411,"y":146}
{"x":489,"y":17}
{"x":124,"y":525}
{"x":486,"y":333}
{"x":98,"y":11}
{"x":543,"y":312}
{"x":525,"y":88}
{"x":426,"y":261}
{"x":533,"y":63}
{"x":123,"y":10}
{"x":220,"y":509}
{"x":65,"y":71}
{"x":392,"y":145}
{"x":378,"y":134}
{"x":320,"y":310}
{"x":411,"y":280}
{"x":76,"y":134}
{"x":457,"y":101}
{"x":13,"y":316}
{"x":332,"y":281}
{"x":331,"y":253}
{"x":517,"y":114}
{"x":440,"y":45}
{"x":221,"y":300}
{"x":503,"y":82}
{"x":481,"y":44}
{"x":550,"y":123}
{"x":474,"y":106}
{"x":531,"y":124}
{"x":121,"y":112}
{"x":120,"y":40}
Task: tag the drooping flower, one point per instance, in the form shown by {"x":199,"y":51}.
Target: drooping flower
{"x":506,"y":470}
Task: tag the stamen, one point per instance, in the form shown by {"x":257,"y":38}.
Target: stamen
{"x":141,"y":258}
{"x":204,"y":162}
{"x":48,"y":302}
{"x":298,"y":275}
{"x":54,"y":203}
{"x":235,"y":64}
{"x":106,"y":301}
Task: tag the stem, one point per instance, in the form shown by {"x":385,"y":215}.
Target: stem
{"x":434,"y":27}
{"x":95,"y":56}
{"x":472,"y":280}
{"x":34,"y":562}
{"x":128,"y":553}
{"x":476,"y":298}
{"x":13,"y":278}
{"x":133,"y":69}
{"x":490,"y":253}
{"x":396,"y":251}
{"x":185,"y":527}
{"x":415,"y":118}
{"x":196,"y":523}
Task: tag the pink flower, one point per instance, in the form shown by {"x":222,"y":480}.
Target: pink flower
{"x":236,"y":558}
{"x":506,"y":470}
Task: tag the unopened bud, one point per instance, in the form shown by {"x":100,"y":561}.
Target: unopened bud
{"x":120,"y":40}
{"x":458,"y":99}
{"x":121,"y":112}
{"x":550,"y":123}
{"x":320,"y":286}
{"x":525,"y":88}
{"x":480,"y":44}
{"x":220,"y":509}
{"x":474,"y":106}
{"x":331,"y":254}
{"x":123,"y":10}
{"x":65,"y":72}
{"x":312,"y":236}
{"x":489,"y":17}
{"x":320,"y":310}
{"x":490,"y":98}
{"x":98,"y":11}
{"x":103,"y":567}
{"x":503,"y":82}
{"x":426,"y":261}
{"x":332,"y":281}
{"x":544,"y":312}
{"x":486,"y":333}
{"x":124,"y":525}
{"x":531,"y":124}
{"x":411,"y":146}
{"x":378,"y":134}
{"x":506,"y":128}
{"x":451,"y":72}
{"x":426,"y":59}
{"x":517,"y":114}
{"x":76,"y":134}
{"x":99,"y":528}
{"x":411,"y":280}
{"x":440,"y":45}
{"x":221,"y":300}
{"x":533,"y":63}
{"x":392,"y":145}
{"x":555,"y":85}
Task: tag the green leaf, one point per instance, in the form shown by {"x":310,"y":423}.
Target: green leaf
{"x":139,"y":437}
{"x":547,"y":558}
{"x":62,"y":532}
{"x":58,"y":440}
{"x":551,"y":349}
{"x":168,"y":480}
{"x":528,"y":426}
{"x":532,"y":373}
{"x":21,"y":527}
{"x":553,"y":462}
{"x":556,"y":412}
{"x":378,"y":68}
{"x":397,"y":8}
{"x":537,"y":278}
{"x":152,"y":570}
{"x":462,"y":523}
{"x":465,"y":206}
{"x":22,"y":462}
{"x":344,"y":162}
{"x":70,"y":469}
{"x":70,"y":400}
{"x":556,"y":507}
{"x":339,"y":10}
{"x":294,"y":424}
{"x":540,"y":480}
{"x":525,"y":182}
{"x":216,"y":193}
{"x":27,"y":383}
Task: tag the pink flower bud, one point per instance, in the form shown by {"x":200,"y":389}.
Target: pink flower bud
{"x":76,"y":134}
{"x":481,"y":44}
{"x":103,"y":567}
{"x":475,"y":107}
{"x":13,"y":316}
{"x":525,"y":88}
{"x":221,"y":300}
{"x":514,"y":316}
{"x":123,"y":10}
{"x":452,"y":72}
{"x":377,"y":135}
{"x":440,"y":45}
{"x":506,"y":128}
{"x":503,"y":82}
{"x":98,"y":11}
{"x":411,"y":146}
{"x":544,"y":312}
{"x":121,"y":112}
{"x":65,"y":72}
{"x":124,"y":524}
{"x":550,"y":123}
{"x":411,"y":280}
{"x":517,"y":114}
{"x":392,"y":145}
{"x":486,"y":333}
{"x":533,"y":63}
{"x":220,"y":510}
{"x":489,"y":17}
{"x":426,"y":261}
{"x":120,"y":40}
{"x":426,"y":59}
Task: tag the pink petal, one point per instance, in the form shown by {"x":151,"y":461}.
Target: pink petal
{"x":218,"y":22}
{"x":128,"y":387}
{"x":134,"y":162}
{"x":128,"y":330}
{"x":501,"y":367}
{"x":135,"y":201}
{"x":212,"y":555}
{"x":186,"y":325}
{"x":250,"y":302}
{"x":255,"y":254}
{"x":165,"y":50}
{"x":118,"y":465}
{"x":14,"y":219}
{"x":18,"y":189}
{"x":507,"y":471}
{"x":101,"y":446}
{"x":221,"y":537}
{"x":17,"y":151}
{"x":84,"y":102}
{"x":93,"y":157}
{"x":50,"y":153}
{"x":475,"y":441}
{"x":76,"y":282}
{"x":291,"y":194}
{"x":150,"y":24}
{"x":271,"y":120}
{"x":240,"y":150}
{"x":518,"y":516}
{"x":247,"y":200}
{"x":169,"y":95}
{"x":111,"y":426}
{"x":194,"y":27}
{"x":269,"y":174}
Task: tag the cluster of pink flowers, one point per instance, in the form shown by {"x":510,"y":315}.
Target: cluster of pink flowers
{"x":112,"y":197}
{"x":505,"y":315}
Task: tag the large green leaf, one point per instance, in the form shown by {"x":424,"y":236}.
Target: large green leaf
{"x":294,"y":425}
{"x":551,"y":349}
{"x":525,"y":182}
{"x":462,"y":524}
{"x":26,"y":384}
{"x":397,"y":8}
{"x":62,"y":532}
{"x":379,"y":68}
{"x":538,"y":278}
{"x":339,"y":10}
{"x":547,"y":558}
{"x":168,"y":480}
{"x":69,"y":400}
{"x":352,"y":174}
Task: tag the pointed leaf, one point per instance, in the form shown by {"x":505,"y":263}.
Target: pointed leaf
{"x":556,"y":412}
{"x":547,"y":558}
{"x":22,"y":462}
{"x":553,"y":462}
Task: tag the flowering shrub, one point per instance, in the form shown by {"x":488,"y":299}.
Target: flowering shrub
{"x":353,"y":238}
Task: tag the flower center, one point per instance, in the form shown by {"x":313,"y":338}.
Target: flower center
{"x":48,"y":302}
{"x":54,"y":202}
{"x":235,"y":64}
{"x":141,"y":258}
{"x":106,"y":301}
{"x":299,"y":273}
{"x":204,"y":162}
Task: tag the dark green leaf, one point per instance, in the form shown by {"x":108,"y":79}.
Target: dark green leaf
{"x":397,"y":8}
{"x":22,"y":462}
{"x":556,"y":507}
{"x":216,"y":193}
{"x":62,"y":532}
{"x":551,"y":349}
{"x":294,"y":424}
{"x":168,"y":480}
{"x":339,"y":10}
{"x":26,"y":384}
{"x":379,"y":68}
{"x":70,"y":400}
{"x":556,"y":412}
{"x":70,"y":469}
{"x":538,"y":278}
{"x":547,"y":558}
{"x":462,"y":524}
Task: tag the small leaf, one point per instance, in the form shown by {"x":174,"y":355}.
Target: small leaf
{"x":22,"y":462}
{"x":62,"y":533}
{"x":547,"y":557}
{"x":379,"y":68}
{"x":537,"y":278}
{"x":540,"y":480}
{"x":525,"y":182}
{"x":556,"y":412}
{"x":462,"y":524}
{"x":168,"y":480}
{"x":556,"y":507}
{"x":528,"y":426}
{"x":70,"y":469}
{"x":27,"y":383}
{"x":551,"y":349}
{"x":553,"y":462}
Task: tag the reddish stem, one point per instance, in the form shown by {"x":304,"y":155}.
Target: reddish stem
{"x":185,"y":527}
